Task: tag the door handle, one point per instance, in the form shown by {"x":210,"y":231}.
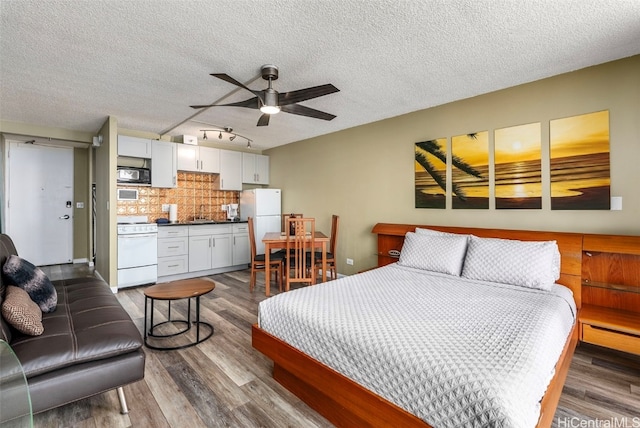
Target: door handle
{"x":65,"y":217}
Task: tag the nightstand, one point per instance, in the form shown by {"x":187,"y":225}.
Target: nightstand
{"x":610,"y":314}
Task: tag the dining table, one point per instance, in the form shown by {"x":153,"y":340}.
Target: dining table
{"x":278,"y":240}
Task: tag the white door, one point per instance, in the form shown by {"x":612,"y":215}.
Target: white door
{"x":40,"y":202}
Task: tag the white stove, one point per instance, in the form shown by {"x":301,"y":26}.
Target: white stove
{"x":137,"y":251}
{"x":129,"y":225}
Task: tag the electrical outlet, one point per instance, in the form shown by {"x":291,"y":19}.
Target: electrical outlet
{"x":165,"y":208}
{"x":224,"y":207}
{"x":350,"y":262}
{"x":79,"y":204}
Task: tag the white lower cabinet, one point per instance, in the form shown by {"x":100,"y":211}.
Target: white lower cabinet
{"x":173,"y":250}
{"x":241,"y":250}
{"x":189,"y":251}
{"x":210,"y":246}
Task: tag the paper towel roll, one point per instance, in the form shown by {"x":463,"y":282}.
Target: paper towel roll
{"x":173,"y":213}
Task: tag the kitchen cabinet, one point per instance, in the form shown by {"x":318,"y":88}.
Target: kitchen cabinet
{"x":241,"y":250}
{"x":198,"y":159}
{"x":134,"y":147}
{"x":173,"y":250}
{"x":255,"y":168}
{"x":210,"y":246}
{"x":163,"y":164}
{"x":230,"y":170}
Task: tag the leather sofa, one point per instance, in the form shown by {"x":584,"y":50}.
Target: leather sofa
{"x":90,"y":344}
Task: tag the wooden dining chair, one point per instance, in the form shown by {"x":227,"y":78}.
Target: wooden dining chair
{"x":300,"y":251}
{"x":331,"y":254}
{"x":284,"y":220}
{"x":276,"y":261}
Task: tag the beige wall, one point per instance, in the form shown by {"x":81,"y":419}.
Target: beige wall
{"x":105,"y":177}
{"x":81,"y":193}
{"x":366,"y":174}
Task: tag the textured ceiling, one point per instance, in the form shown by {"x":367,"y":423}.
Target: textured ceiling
{"x":70,"y":64}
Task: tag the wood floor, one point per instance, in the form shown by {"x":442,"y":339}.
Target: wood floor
{"x":224,"y":382}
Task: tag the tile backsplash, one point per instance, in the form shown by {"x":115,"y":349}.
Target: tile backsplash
{"x":197,"y":196}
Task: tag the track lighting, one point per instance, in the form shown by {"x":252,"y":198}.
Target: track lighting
{"x":226,"y":130}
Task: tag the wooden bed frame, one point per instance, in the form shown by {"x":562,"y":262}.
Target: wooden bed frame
{"x":348,"y":404}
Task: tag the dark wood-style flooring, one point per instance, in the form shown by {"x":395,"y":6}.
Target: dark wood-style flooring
{"x":224,"y":382}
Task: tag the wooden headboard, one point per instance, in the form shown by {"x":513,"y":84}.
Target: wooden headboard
{"x":391,"y":238}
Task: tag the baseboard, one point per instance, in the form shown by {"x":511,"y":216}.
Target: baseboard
{"x":83,"y":260}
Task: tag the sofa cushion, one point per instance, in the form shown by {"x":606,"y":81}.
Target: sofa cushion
{"x":88,"y":325}
{"x":21,"y":312}
{"x":19,"y":272}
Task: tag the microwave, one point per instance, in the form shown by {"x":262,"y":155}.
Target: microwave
{"x":130,"y":175}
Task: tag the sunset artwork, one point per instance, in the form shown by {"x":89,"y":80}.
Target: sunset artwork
{"x":470,"y":170}
{"x":430,"y":173}
{"x":518,"y":177}
{"x":580,"y":171}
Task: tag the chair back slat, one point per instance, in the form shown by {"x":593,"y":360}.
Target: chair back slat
{"x":300,"y":250}
{"x":284,"y":220}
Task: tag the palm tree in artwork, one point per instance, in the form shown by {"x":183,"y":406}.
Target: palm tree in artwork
{"x":432,"y":147}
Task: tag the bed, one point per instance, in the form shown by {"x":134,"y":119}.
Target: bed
{"x":402,"y":331}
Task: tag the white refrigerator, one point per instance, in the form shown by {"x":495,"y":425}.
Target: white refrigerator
{"x":265,"y":207}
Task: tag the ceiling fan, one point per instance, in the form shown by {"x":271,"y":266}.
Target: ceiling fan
{"x":269,"y":101}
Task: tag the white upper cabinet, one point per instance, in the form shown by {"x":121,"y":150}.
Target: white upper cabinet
{"x":209,"y":160}
{"x":255,"y":168}
{"x":230,"y":170}
{"x":188,"y":159}
{"x":198,"y":159}
{"x":163,"y":164}
{"x":134,"y":147}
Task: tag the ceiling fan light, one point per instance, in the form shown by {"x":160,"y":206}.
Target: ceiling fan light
{"x":270,"y":109}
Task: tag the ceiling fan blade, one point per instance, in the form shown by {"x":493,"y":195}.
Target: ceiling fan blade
{"x":230,"y":79}
{"x":250,"y":103}
{"x":300,"y":95}
{"x":264,"y":120}
{"x":306,"y":111}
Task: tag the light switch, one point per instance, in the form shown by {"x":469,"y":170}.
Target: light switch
{"x":616,"y":203}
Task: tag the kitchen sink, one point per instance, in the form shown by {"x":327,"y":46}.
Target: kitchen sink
{"x":203,"y":221}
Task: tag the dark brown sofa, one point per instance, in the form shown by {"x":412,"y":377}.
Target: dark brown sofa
{"x":90,"y":344}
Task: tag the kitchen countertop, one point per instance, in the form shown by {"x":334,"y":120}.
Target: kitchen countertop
{"x":201,"y":222}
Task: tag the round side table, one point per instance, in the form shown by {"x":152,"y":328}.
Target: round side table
{"x":176,"y":290}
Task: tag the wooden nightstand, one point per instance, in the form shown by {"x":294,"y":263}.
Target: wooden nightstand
{"x":610,"y":314}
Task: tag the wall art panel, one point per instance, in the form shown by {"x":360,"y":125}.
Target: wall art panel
{"x":580,"y":167}
{"x":470,"y":170}
{"x":518,"y":177}
{"x":430,"y":173}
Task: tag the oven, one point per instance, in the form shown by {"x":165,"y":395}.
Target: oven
{"x":137,"y":251}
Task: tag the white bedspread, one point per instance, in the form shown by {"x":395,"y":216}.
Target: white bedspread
{"x":452,"y":351}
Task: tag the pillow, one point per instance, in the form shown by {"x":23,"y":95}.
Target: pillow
{"x":423,"y":231}
{"x":31,"y":279}
{"x":435,"y":253}
{"x":21,"y":312}
{"x":524,"y":263}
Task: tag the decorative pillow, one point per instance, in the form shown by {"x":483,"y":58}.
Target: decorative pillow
{"x":21,"y":312}
{"x":524,"y":263}
{"x":31,"y":279}
{"x":435,"y":253}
